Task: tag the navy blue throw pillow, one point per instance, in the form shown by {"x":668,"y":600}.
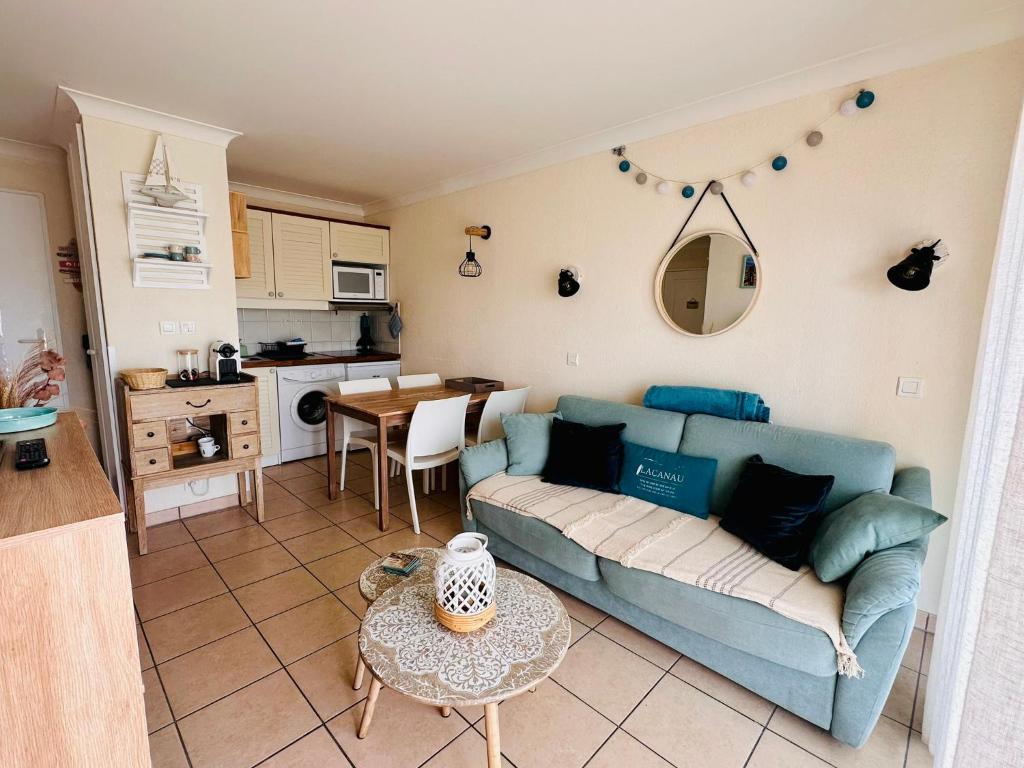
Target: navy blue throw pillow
{"x":671,"y":480}
{"x":584,"y":456}
{"x":777,"y":511}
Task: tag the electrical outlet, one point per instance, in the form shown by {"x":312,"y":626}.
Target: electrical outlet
{"x":573,"y":359}
{"x":168,"y":327}
{"x":188,"y":327}
{"x":907,"y":386}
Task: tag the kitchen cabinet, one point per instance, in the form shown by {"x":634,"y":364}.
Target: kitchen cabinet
{"x":359,"y":244}
{"x":270,"y":426}
{"x":302,"y":257}
{"x":239,"y":234}
{"x":260,"y":284}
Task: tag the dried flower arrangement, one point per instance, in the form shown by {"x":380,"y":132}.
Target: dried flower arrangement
{"x":35,"y":379}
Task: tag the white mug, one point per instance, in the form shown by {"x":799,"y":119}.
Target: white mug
{"x":207,"y":447}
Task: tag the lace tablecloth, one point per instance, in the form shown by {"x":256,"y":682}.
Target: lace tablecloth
{"x":375,"y":581}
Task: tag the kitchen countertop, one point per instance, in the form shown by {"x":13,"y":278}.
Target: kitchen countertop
{"x":323,"y":358}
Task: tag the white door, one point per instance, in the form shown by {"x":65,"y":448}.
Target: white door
{"x":360,"y":244}
{"x":261,"y":254}
{"x":28,"y":302}
{"x":684,"y":292}
{"x":302,"y":257}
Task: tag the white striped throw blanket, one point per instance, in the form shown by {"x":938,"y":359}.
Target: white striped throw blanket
{"x":639,"y":534}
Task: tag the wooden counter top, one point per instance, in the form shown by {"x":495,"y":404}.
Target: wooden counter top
{"x":323,"y":358}
{"x":72,"y":489}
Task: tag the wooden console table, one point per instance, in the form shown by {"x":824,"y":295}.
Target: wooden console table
{"x":158,"y":449}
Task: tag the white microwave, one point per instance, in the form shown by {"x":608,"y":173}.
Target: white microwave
{"x":358,"y":282}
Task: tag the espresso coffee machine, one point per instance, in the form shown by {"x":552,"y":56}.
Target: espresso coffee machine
{"x":225,"y":362}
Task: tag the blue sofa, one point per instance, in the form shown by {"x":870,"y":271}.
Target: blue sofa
{"x":781,"y":660}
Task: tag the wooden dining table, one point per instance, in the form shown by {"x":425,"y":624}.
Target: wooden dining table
{"x":385,"y":409}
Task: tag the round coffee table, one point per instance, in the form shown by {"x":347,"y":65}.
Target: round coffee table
{"x":407,"y":650}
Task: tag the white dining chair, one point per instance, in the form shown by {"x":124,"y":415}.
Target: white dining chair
{"x":498,"y":404}
{"x":360,"y":433}
{"x":437,"y":434}
{"x":418,"y":380}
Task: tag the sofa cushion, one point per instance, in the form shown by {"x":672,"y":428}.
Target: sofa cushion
{"x":527,"y":437}
{"x":539,"y":539}
{"x":669,"y":479}
{"x":646,"y":426}
{"x":740,"y":624}
{"x":859,"y":466}
{"x":585,"y":457}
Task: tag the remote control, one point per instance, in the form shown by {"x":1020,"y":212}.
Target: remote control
{"x":30,"y":454}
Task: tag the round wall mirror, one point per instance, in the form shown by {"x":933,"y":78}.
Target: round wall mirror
{"x":707,"y":283}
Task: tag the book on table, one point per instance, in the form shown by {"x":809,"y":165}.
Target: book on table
{"x":400,"y":563}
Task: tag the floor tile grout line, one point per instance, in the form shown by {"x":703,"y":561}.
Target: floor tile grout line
{"x":764,"y":729}
{"x":913,"y":706}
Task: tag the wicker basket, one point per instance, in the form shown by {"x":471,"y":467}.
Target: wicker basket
{"x":463,"y":623}
{"x":145,"y":378}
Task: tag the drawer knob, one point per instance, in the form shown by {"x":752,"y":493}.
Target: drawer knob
{"x":245,"y":422}
{"x":280,"y":294}
{"x":201,"y":405}
{"x":152,"y":461}
{"x":151,"y":434}
{"x":245,"y":447}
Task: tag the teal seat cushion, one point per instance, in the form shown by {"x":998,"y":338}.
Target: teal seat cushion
{"x":870,"y":523}
{"x":539,"y":539}
{"x":646,"y":426}
{"x":859,"y":466}
{"x":668,"y":479}
{"x":527,"y":438}
{"x":732,"y":621}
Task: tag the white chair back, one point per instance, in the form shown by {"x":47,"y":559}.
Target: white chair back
{"x":358,"y":387}
{"x":418,"y":380}
{"x":437,"y":426}
{"x":499,"y":403}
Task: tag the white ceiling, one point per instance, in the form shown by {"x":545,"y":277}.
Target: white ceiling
{"x":386,"y":101}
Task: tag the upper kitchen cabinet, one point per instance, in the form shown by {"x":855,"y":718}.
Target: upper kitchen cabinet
{"x":302,"y":257}
{"x":260,"y":283}
{"x":359,"y":244}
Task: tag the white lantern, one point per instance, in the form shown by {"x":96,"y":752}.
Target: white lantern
{"x":464,"y":583}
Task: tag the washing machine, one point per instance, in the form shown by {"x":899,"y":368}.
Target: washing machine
{"x":301,"y":390}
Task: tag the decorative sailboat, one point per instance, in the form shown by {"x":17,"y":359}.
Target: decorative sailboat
{"x":159,"y":184}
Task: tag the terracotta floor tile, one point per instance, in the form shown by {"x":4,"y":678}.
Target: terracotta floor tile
{"x":900,"y":704}
{"x":318,"y":497}
{"x":885,"y":749}
{"x":723,"y":689}
{"x":404,"y":539}
{"x":467,"y":751}
{"x":158,"y":714}
{"x":317,"y":750}
{"x":361,"y":485}
{"x":305,"y":483}
{"x":549,"y":727}
{"x":579,"y":630}
{"x":295,"y":525}
{"x":343,"y":568}
{"x":365,"y":528}
{"x":181,"y":631}
{"x":577,"y":609}
{"x":912,"y":656}
{"x":343,"y":510}
{"x":318,"y":544}
{"x":443,"y":527}
{"x":308,"y":627}
{"x":687,"y":727}
{"x":638,"y":642}
{"x":170,"y":594}
{"x":275,"y":508}
{"x":423,"y":731}
{"x":216,"y":670}
{"x":918,"y":717}
{"x":287,"y":471}
{"x":252,"y":566}
{"x":623,"y":750}
{"x":145,"y":657}
{"x":164,"y":536}
{"x":326,"y":677}
{"x":165,"y":563}
{"x":165,"y":749}
{"x":625,"y":680}
{"x":426,"y":508}
{"x":918,"y":755}
{"x":204,"y":526}
{"x":354,"y":471}
{"x":775,"y":752}
{"x":232,"y":543}
{"x":249,"y":725}
{"x":352,"y":599}
{"x":278,"y":593}
{"x":274,"y":491}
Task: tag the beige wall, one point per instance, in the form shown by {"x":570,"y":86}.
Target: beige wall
{"x":44,"y":171}
{"x":828,"y":337}
{"x":133,"y":314}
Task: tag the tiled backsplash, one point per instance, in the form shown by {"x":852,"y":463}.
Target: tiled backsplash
{"x":323,"y":330}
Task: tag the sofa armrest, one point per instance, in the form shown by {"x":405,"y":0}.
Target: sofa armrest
{"x":884,"y":582}
{"x":913,"y":484}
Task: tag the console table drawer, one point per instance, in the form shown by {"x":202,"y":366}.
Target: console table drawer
{"x":149,"y":434}
{"x":245,"y":445}
{"x":194,"y":402}
{"x":243,"y":422}
{"x":152,"y":461}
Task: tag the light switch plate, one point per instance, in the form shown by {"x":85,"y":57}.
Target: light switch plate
{"x":188,"y":327}
{"x":168,"y":327}
{"x":907,"y":386}
{"x":573,"y":359}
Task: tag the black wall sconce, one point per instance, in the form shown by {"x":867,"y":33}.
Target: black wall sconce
{"x":569,"y":279}
{"x":914,"y":273}
{"x":470,"y":267}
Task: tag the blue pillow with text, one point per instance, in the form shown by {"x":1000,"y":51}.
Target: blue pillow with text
{"x":671,"y":480}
